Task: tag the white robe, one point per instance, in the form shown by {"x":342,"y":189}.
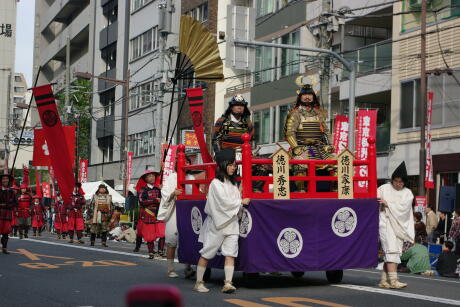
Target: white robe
{"x":221,"y":228}
{"x":167,"y":210}
{"x":396,"y":224}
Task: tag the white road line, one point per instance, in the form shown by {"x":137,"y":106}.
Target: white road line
{"x":401,"y":294}
{"x":409,"y":276}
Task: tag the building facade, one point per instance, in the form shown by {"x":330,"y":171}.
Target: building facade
{"x":442,"y":47}
{"x":7,"y":57}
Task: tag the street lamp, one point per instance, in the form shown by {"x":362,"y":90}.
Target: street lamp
{"x":125,"y":84}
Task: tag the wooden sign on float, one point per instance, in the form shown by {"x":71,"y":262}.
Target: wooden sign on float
{"x":345,"y":174}
{"x":281,"y":174}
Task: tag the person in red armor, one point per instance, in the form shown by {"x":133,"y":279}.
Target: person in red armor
{"x":152,"y":229}
{"x":7,"y":206}
{"x":24,"y":201}
{"x":14,"y":215}
{"x":75,"y":214}
{"x":38,"y":215}
{"x":60,"y":219}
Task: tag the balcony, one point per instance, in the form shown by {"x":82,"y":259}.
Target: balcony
{"x":236,"y":88}
{"x":104,"y":85}
{"x":105,"y":126}
{"x":108,"y":35}
{"x":371,"y":58}
{"x":62,"y":11}
{"x":77,"y":30}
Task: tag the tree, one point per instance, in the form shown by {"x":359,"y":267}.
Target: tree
{"x":80,"y":95}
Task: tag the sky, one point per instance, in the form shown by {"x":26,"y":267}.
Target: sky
{"x":25,"y":39}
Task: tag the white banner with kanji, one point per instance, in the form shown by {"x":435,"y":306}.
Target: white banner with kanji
{"x":429,"y":182}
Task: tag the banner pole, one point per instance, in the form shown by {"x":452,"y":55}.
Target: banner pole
{"x":25,"y":121}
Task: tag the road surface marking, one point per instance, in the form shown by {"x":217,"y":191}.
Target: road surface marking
{"x":244,"y":303}
{"x":83,"y":263}
{"x":35,"y":257}
{"x":408,"y":276}
{"x":401,"y":294}
{"x":285,"y":301}
{"x":294,"y":301}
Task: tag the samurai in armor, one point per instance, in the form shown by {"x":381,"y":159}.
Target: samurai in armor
{"x":307,"y":132}
{"x":75,"y":213}
{"x":60,"y":220}
{"x":24,"y":200}
{"x":100,"y":212}
{"x":38,"y":216}
{"x":152,"y":228}
{"x":229,"y":128}
{"x":7,"y":206}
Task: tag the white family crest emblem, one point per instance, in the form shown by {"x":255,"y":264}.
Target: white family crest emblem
{"x":290,"y":242}
{"x":197,"y":220}
{"x":245,"y":223}
{"x":344,"y":222}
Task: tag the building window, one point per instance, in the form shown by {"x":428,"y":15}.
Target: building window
{"x":264,"y":7}
{"x":141,"y":144}
{"x":200,"y":12}
{"x":264,"y":63}
{"x":19,"y":89}
{"x":144,"y":43}
{"x":410,"y":104}
{"x":106,"y":146}
{"x":446,"y":101}
{"x":290,"y":58}
{"x":144,"y":94}
{"x":17,"y":79}
{"x":446,"y":9}
{"x":137,"y":4}
{"x":283,"y":113}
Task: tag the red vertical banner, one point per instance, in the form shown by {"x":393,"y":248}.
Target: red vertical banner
{"x":366,"y":123}
{"x":83,"y":171}
{"x":340,"y":133}
{"x":41,"y":155}
{"x":170,"y":161}
{"x":130,"y":167}
{"x":429,"y":182}
{"x":195,"y":101}
{"x":55,"y":139}
{"x":46,"y":189}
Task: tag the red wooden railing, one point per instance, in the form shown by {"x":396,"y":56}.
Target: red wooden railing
{"x":247,"y":178}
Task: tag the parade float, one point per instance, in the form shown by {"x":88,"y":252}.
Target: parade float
{"x":282,"y":229}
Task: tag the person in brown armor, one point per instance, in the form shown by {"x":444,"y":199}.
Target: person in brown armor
{"x":307,"y":133}
{"x":100,"y":213}
{"x":7,"y":205}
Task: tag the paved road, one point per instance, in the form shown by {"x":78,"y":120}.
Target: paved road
{"x":49,"y":272}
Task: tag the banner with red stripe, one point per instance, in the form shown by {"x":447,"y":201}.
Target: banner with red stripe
{"x":55,"y":139}
{"x":195,"y":101}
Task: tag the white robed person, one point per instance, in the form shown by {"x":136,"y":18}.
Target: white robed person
{"x":167,"y":214}
{"x":396,"y":224}
{"x":221,"y":227}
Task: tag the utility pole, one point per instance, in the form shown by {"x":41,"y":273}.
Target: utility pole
{"x":325,"y":42}
{"x":125,"y":135}
{"x":67,"y":80}
{"x":423,"y":98}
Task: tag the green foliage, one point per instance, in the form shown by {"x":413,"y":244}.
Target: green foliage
{"x":80,"y":100}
